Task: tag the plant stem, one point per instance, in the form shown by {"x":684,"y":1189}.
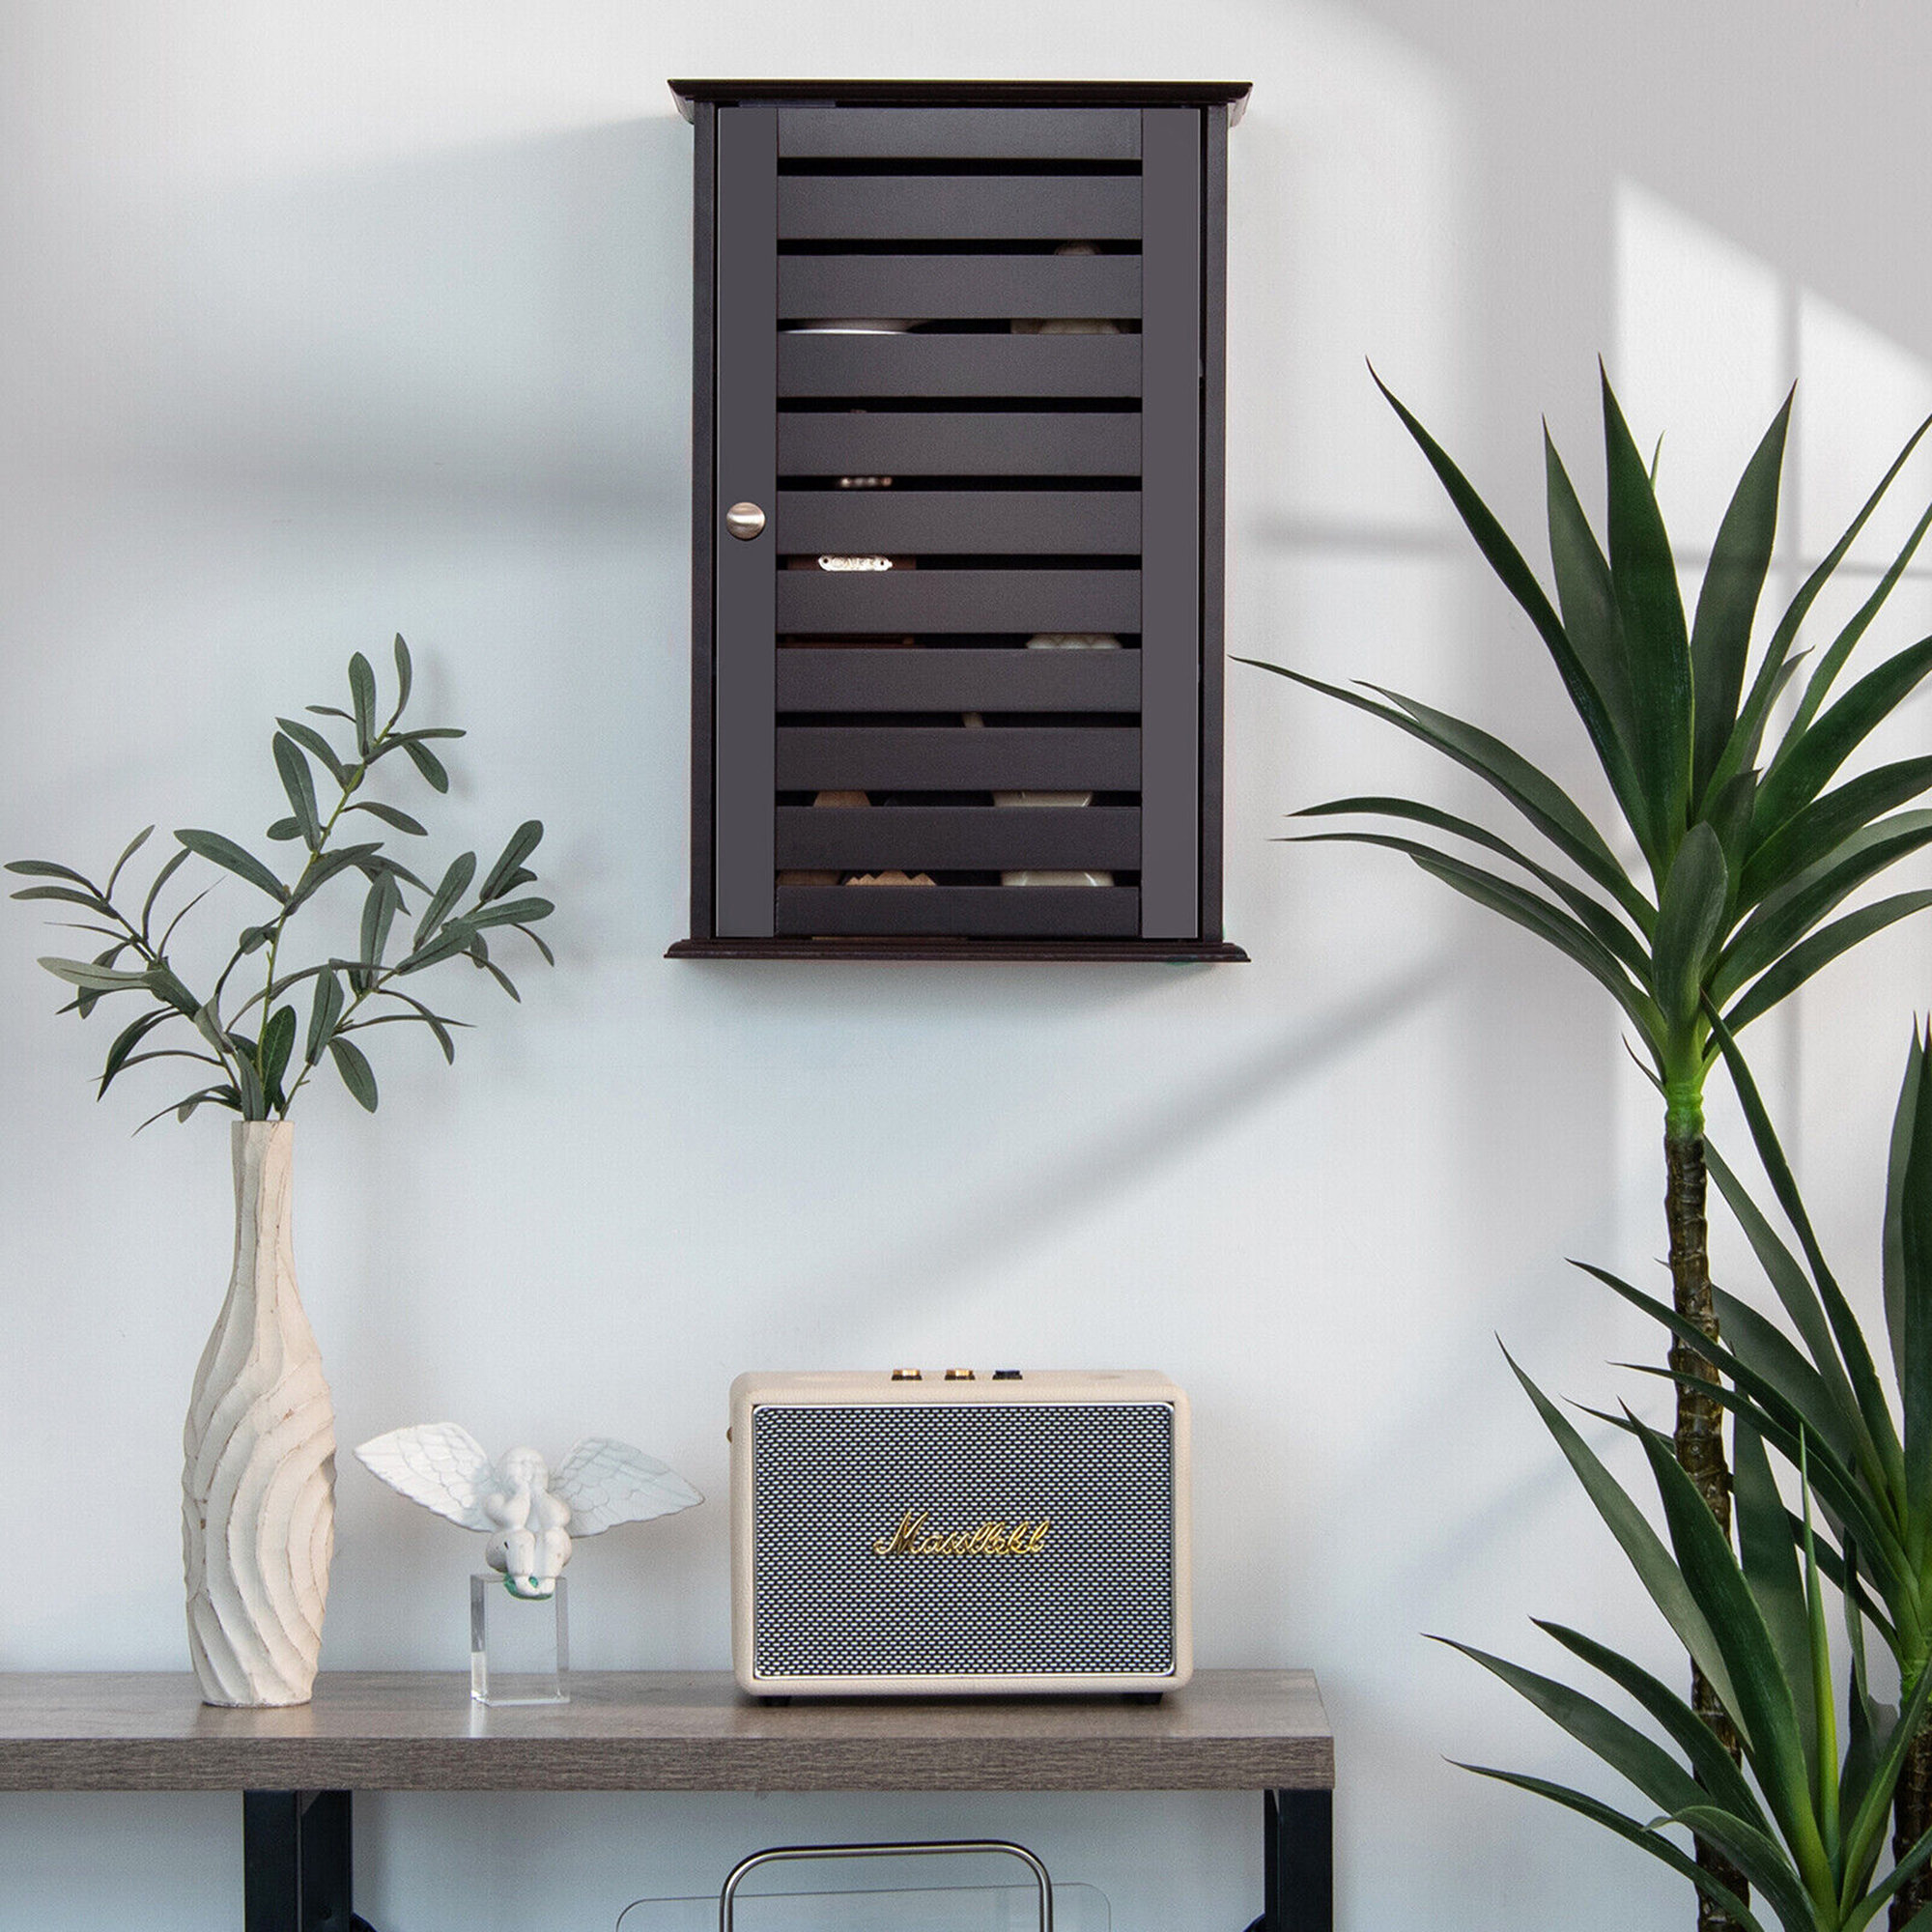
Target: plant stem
{"x":1910,"y":1818}
{"x":1699,"y":1436}
{"x":349,"y":785}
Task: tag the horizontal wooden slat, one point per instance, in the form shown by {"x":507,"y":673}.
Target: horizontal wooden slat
{"x":936,"y":366}
{"x":870,"y":603}
{"x":1002,"y":911}
{"x":959,"y":680}
{"x":960,"y":838}
{"x":861,"y":757}
{"x":960,"y":207}
{"x":921,"y":287}
{"x":985,"y":133}
{"x":960,"y":522}
{"x":945,"y":443}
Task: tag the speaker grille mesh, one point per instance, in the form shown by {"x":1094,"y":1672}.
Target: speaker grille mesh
{"x":1096,"y":1598}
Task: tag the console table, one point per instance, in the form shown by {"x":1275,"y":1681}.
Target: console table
{"x":1228,"y":1730}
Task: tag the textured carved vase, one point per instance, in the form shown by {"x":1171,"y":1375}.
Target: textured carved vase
{"x":258,"y":1489}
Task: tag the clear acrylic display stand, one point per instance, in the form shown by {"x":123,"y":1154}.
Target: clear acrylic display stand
{"x":518,"y":1646}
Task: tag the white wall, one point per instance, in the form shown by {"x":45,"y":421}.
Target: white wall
{"x":317,"y":322}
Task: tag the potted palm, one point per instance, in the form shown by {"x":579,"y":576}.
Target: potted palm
{"x":258,"y":1483}
{"x":1745,"y":846}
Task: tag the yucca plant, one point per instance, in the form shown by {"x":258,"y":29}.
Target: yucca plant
{"x":1820,"y":1399}
{"x":1745,"y":854}
{"x":1806,"y":1826}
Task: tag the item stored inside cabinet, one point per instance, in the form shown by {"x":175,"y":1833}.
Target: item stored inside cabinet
{"x":958,"y":439}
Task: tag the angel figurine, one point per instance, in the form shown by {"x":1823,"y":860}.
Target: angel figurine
{"x":530,"y":1515}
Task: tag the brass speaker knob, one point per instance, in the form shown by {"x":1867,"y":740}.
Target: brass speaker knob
{"x":744,"y":521}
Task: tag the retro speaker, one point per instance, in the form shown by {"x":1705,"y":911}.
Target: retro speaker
{"x":965,"y":1532}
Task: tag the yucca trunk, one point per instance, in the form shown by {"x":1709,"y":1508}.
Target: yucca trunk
{"x":1912,"y":1818}
{"x":1699,"y":1435}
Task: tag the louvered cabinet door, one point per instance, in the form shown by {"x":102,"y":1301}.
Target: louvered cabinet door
{"x":959,"y":564}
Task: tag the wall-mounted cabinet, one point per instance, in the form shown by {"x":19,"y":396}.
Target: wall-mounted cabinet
{"x":958,"y":529}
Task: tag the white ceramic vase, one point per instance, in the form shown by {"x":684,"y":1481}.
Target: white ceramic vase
{"x":258,"y":1486}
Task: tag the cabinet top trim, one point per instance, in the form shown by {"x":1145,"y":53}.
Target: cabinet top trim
{"x":1230,"y":94}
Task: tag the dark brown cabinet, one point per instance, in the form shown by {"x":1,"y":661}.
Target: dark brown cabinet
{"x":958,"y":529}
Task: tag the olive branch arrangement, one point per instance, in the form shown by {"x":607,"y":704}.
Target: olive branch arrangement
{"x":252,"y":1045}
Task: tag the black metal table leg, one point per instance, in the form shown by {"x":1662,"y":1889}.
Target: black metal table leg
{"x":1298,"y":1870}
{"x":297,"y":1862}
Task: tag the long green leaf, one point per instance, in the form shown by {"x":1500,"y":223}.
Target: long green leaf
{"x":1842,"y":645}
{"x":1710,"y":1761}
{"x":405,"y":675}
{"x":1865,"y":1835}
{"x":512,"y":912}
{"x":1711,"y":1574}
{"x":1640,"y":1544}
{"x":1600,"y":918}
{"x":1546,"y":805}
{"x":390,"y":815}
{"x":1765,"y":1350}
{"x":299,"y":783}
{"x":1643,"y":573}
{"x":1520,"y":581}
{"x":125,"y":1041}
{"x":455,"y":883}
{"x":524,"y":840}
{"x":325,"y":1011}
{"x":175,"y":862}
{"x":1899,"y":1163}
{"x":1814,"y":953}
{"x":1867,"y":1908}
{"x":362,"y":695}
{"x":326,"y":865}
{"x":224,"y":852}
{"x":1769,"y":1564}
{"x":428,"y":764}
{"x":1809,"y":756}
{"x":47,"y":868}
{"x":1817,"y":829}
{"x":378,"y":913}
{"x":1525,"y":909}
{"x":134,"y":844}
{"x":1846,"y":1332}
{"x":312,"y":740}
{"x":1727,"y":603}
{"x":1762,"y":1860}
{"x":1622,"y":1746}
{"x":279,"y":1040}
{"x":1591,"y":619}
{"x":1643,"y":1835}
{"x":1773,"y":671}
{"x":1764,"y":1405}
{"x":67,"y":895}
{"x":1788,"y":914}
{"x":1688,"y":917}
{"x":1909,"y":1286}
{"x":356,"y":1074}
{"x":93,"y":979}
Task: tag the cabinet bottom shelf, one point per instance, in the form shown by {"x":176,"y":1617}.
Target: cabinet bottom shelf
{"x":874,"y":947}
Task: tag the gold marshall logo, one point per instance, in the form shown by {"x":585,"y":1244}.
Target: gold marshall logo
{"x":990,"y":1538}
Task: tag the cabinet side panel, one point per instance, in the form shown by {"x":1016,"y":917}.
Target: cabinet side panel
{"x":703,"y":397}
{"x":1171,"y":329}
{"x":1213,"y":509}
{"x":746,"y":419}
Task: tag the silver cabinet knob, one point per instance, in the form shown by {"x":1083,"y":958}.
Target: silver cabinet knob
{"x":744,"y":521}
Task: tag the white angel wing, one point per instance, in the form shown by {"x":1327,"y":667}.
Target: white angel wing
{"x":436,"y":1464}
{"x":607,"y":1483}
